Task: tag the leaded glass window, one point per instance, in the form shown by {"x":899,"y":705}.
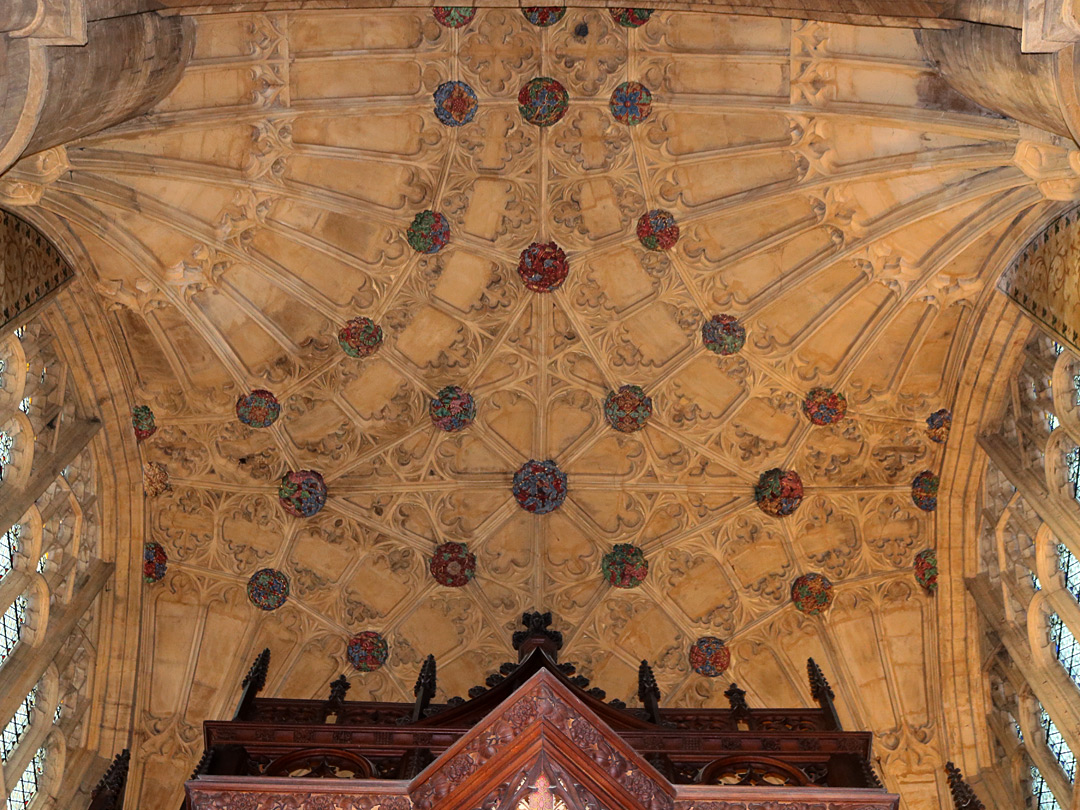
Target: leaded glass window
{"x":1072,"y":465}
{"x":24,"y":406}
{"x":1070,"y":567}
{"x":17,"y":726}
{"x":6,"y":442}
{"x":11,"y":623}
{"x":27,"y":787}
{"x":1057,"y":745}
{"x":1044,"y":799}
{"x":1065,"y":647}
{"x":9,"y":546}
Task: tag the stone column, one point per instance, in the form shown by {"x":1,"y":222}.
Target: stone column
{"x":62,"y":79}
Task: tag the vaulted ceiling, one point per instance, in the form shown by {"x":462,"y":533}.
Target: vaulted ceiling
{"x":830,"y":193}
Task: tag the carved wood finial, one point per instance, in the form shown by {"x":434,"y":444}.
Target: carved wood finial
{"x":963,"y":796}
{"x":737,"y":700}
{"x":426,"y":681}
{"x":338,"y":689}
{"x":819,"y":685}
{"x":537,"y":633}
{"x":256,"y":676}
{"x":425,"y":688}
{"x":871,"y":776}
{"x":822,"y":692}
{"x":648,"y":692}
{"x":203,"y":764}
{"x":109,"y":792}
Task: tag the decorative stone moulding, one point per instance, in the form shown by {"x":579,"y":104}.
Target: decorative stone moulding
{"x":155,"y":562}
{"x":926,"y":570}
{"x":543,"y":101}
{"x":812,"y":594}
{"x":429,"y":232}
{"x":631,"y":103}
{"x":452,"y":409}
{"x":540,"y":486}
{"x":778,"y":492}
{"x":938,"y":425}
{"x":657,"y":230}
{"x":924,"y":490}
{"x":823,"y":406}
{"x":543,"y":16}
{"x":453,"y":565}
{"x":709,"y":656}
{"x":723,"y":335}
{"x":259,"y":409}
{"x":268,"y":589}
{"x":142,"y":420}
{"x":631,"y":17}
{"x":454,"y":16}
{"x":455,"y":104}
{"x":625,"y":566}
{"x":543,"y":267}
{"x":367,"y":651}
{"x":155,"y":479}
{"x":360,"y":337}
{"x":628,"y":409}
{"x":302,"y":492}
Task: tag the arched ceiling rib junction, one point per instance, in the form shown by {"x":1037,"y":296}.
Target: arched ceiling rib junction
{"x":831,"y":194}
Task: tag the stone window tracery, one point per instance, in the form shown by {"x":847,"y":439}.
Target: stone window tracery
{"x":1042,"y":797}
{"x":1065,"y":647}
{"x":1028,"y":590}
{"x":26,"y":789}
{"x":48,"y":557}
{"x":16,"y":727}
{"x":11,"y":622}
{"x":1057,"y":745}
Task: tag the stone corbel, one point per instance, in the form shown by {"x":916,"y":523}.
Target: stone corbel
{"x":27,"y":180}
{"x":1053,"y":163}
{"x":53,"y":95}
{"x":1050,"y":25}
{"x":51,"y":22}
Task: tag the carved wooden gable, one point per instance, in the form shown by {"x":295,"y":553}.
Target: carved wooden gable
{"x":543,"y":730}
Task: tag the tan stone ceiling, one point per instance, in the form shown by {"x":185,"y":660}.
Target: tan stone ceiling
{"x":830,"y":194}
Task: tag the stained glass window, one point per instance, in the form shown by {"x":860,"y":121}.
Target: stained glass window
{"x":6,"y":442}
{"x":1057,"y":745}
{"x":27,"y":787}
{"x":24,"y":406}
{"x":1044,"y":799}
{"x":1070,"y":567}
{"x":1065,"y":647}
{"x":11,"y":622}
{"x":1072,"y":464}
{"x":17,"y":726}
{"x":9,"y":545}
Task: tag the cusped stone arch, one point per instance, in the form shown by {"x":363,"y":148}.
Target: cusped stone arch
{"x":1046,"y":560}
{"x":1066,"y":396}
{"x":52,"y":778}
{"x":12,"y":380}
{"x":1062,"y":454}
{"x":1015,"y":540}
{"x":16,"y":472}
{"x":39,"y":727}
{"x":30,"y":540}
{"x":1039,"y":628}
{"x":38,"y":604}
